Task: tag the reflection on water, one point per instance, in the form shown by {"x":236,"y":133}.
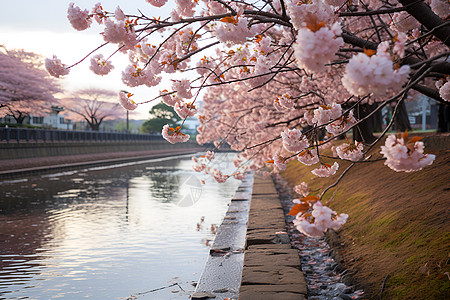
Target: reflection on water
{"x":108,"y":233}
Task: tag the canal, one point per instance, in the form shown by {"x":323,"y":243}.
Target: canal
{"x":128,"y":231}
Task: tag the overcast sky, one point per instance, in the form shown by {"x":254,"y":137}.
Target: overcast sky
{"x":42,"y":27}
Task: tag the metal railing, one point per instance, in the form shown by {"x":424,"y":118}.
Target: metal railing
{"x":30,"y":135}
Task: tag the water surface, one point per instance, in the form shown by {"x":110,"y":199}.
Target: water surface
{"x":109,"y":233}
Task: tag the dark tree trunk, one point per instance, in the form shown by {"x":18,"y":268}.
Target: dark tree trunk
{"x":378,"y":121}
{"x":19,"y":119}
{"x":95,"y":127}
{"x":401,"y":121}
{"x":443,"y":118}
{"x":364,"y":131}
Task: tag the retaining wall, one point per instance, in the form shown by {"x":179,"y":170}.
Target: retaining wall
{"x":29,"y":150}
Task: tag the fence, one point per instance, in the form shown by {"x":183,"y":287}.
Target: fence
{"x":29,"y":135}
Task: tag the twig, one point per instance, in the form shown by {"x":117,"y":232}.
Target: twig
{"x":382,"y":287}
{"x":161,"y":288}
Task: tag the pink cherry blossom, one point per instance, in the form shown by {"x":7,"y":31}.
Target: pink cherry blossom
{"x":308,"y":157}
{"x":407,"y":157}
{"x":99,"y":65}
{"x":236,"y":31}
{"x":134,"y":76}
{"x":284,"y":101}
{"x":314,"y":49}
{"x":300,"y":12}
{"x":293,"y":141}
{"x":126,"y":101}
{"x":444,"y":91}
{"x":307,"y":228}
{"x":441,"y":8}
{"x":157,"y":3}
{"x":98,"y":13}
{"x":218,"y":176}
{"x":323,"y":219}
{"x":169,"y":99}
{"x":119,"y":14}
{"x":342,"y":124}
{"x":199,"y":165}
{"x":402,"y":21}
{"x":279,"y":161}
{"x":79,"y":19}
{"x":185,"y":8}
{"x":183,"y":88}
{"x":326,"y":170}
{"x":185,"y":110}
{"x":120,"y":32}
{"x":302,"y":189}
{"x":174,"y":135}
{"x":325,"y":114}
{"x":209,"y":155}
{"x":239,"y":176}
{"x":374,"y":74}
{"x":350,"y":152}
{"x":399,"y":46}
{"x":55,"y":67}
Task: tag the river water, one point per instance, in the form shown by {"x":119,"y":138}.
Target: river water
{"x":130,"y":231}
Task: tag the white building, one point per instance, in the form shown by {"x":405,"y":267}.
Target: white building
{"x":52,"y":120}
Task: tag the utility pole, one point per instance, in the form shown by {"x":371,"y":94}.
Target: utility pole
{"x":128,"y":131}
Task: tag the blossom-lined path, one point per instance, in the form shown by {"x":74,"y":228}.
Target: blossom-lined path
{"x":271,"y":267}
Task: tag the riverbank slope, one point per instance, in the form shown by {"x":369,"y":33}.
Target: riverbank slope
{"x":396,"y":241}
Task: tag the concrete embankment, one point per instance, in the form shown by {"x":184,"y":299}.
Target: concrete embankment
{"x":251,"y":257}
{"x":11,"y":168}
{"x":31,"y":150}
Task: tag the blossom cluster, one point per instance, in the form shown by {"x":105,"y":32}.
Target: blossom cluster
{"x":302,"y":189}
{"x":174,"y":135}
{"x":55,"y":67}
{"x":375,"y":74}
{"x":405,"y":156}
{"x":322,"y":218}
{"x":126,"y":101}
{"x":444,"y":89}
{"x":316,"y":48}
{"x":99,"y":65}
{"x":293,"y":141}
{"x":326,"y":170}
{"x":284,"y":102}
{"x":350,"y":152}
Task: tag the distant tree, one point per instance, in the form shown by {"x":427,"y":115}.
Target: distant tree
{"x":25,"y":87}
{"x":92,"y":105}
{"x":160,"y":115}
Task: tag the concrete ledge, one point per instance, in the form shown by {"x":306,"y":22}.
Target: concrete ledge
{"x":272,"y":268}
{"x":20,"y":167}
{"x":29,"y":150}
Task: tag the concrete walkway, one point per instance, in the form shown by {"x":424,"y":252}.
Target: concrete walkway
{"x":271,"y":267}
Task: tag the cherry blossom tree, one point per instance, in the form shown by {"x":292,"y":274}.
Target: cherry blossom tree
{"x":25,"y":87}
{"x":282,"y":79}
{"x":92,"y":105}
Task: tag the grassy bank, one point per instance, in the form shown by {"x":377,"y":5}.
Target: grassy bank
{"x":398,"y":229}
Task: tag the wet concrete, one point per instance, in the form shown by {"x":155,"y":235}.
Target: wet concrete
{"x":221,"y":276}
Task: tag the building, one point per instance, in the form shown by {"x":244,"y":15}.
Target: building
{"x":53,"y":120}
